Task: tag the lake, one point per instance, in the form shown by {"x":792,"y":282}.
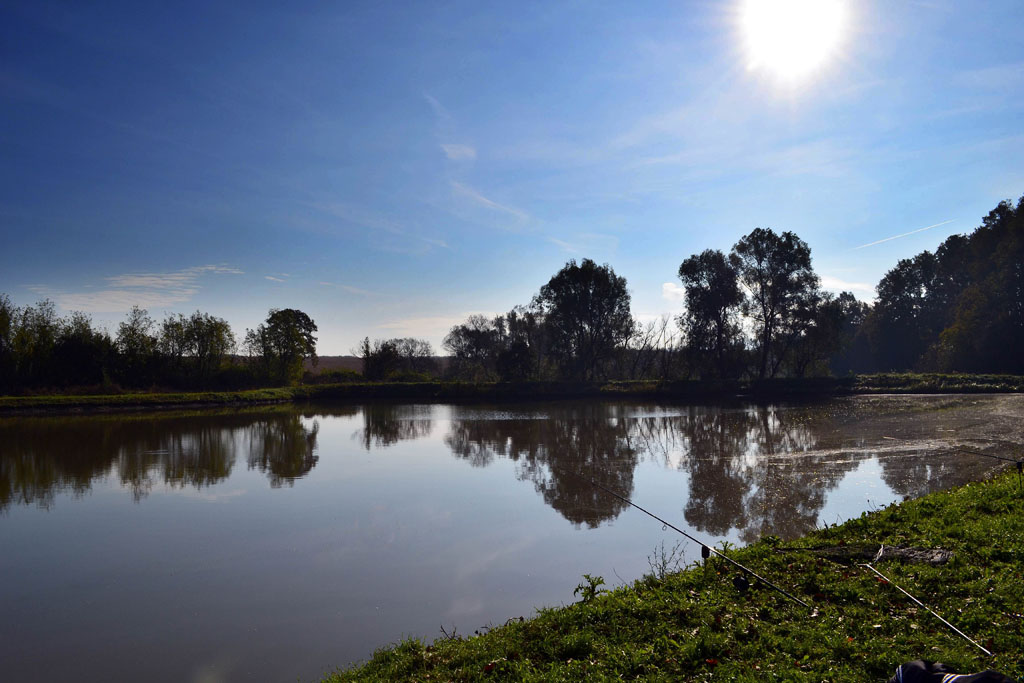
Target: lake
{"x":278,"y":543}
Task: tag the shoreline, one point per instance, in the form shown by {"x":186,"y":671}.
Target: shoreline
{"x":467,"y":392}
{"x":701,"y":624}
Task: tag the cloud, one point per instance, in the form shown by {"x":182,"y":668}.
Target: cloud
{"x":480,"y":200}
{"x":357,"y":290}
{"x":146,"y":290}
{"x":896,"y":237}
{"x":587,"y":243}
{"x":274,"y":279}
{"x":670,"y":291}
{"x":459,"y":152}
{"x":836,"y":285}
{"x":358,"y":216}
{"x":440,"y":111}
{"x":350,"y":289}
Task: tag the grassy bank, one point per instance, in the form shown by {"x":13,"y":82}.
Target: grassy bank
{"x":697,"y":625}
{"x":527,"y":391}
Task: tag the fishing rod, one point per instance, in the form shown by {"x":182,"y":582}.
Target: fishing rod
{"x":933,"y":612}
{"x":705,"y":548}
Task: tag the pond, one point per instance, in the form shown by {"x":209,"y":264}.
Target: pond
{"x":275,"y":544}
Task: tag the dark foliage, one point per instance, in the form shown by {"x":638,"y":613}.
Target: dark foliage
{"x":959,"y":309}
{"x":586,"y":310}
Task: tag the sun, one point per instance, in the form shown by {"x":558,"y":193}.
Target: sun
{"x":792,"y":39}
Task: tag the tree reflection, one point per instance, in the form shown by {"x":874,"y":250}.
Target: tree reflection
{"x":757,"y":469}
{"x":789,"y":485}
{"x":284,"y":449}
{"x":385,"y":425}
{"x":560,"y":455}
{"x":912,"y":475}
{"x":27,"y":476}
{"x":42,"y":457}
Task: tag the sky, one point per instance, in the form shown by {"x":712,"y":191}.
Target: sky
{"x":391,"y":168}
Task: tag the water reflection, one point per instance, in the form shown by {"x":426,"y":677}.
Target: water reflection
{"x":283,"y":449}
{"x":385,"y":425}
{"x":45,"y":456}
{"x":560,"y":454}
{"x":754,"y":469}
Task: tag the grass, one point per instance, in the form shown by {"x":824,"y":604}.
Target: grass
{"x":811,"y":387}
{"x":696,"y":625}
{"x":147,"y":400}
{"x":924,"y":383}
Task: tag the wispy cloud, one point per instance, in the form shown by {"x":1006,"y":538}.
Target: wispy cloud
{"x":440,"y":111}
{"x":587,"y":243}
{"x":477,"y":198}
{"x":357,"y":290}
{"x":354,"y":215}
{"x":273,"y":279}
{"x":147,"y":290}
{"x":459,"y":152}
{"x":896,"y":237}
{"x":350,"y":289}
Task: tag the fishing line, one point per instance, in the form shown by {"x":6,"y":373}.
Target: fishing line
{"x":1019,"y":463}
{"x":933,"y":612}
{"x":988,"y":455}
{"x":961,"y":449}
{"x":704,"y":547}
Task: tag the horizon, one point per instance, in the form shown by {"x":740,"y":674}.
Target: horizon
{"x":393,"y":170}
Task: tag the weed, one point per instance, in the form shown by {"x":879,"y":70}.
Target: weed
{"x":589,"y":590}
{"x":664,"y":562}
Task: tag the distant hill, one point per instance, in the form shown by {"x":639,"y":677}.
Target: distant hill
{"x":326,"y":363}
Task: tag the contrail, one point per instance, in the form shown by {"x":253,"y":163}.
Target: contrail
{"x":896,"y":237}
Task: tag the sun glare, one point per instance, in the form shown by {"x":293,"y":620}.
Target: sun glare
{"x":791,"y":39}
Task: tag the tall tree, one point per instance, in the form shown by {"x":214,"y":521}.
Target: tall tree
{"x":905,"y":317}
{"x":282,"y":343}
{"x":33,"y":342}
{"x":822,"y":346}
{"x":417,"y":355}
{"x":8,"y":323}
{"x":586,"y":309}
{"x":209,"y":341}
{"x":81,"y":354}
{"x":475,"y":344}
{"x":782,"y":291}
{"x":713,"y":299}
{"x":137,"y":345}
{"x":381,"y":358}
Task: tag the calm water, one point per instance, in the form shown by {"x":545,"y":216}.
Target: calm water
{"x":278,"y":544}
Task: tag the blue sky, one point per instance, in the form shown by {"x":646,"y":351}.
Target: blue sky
{"x":391,"y":168}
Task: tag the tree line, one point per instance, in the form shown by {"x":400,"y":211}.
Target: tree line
{"x":757,"y":312}
{"x":40,"y":350}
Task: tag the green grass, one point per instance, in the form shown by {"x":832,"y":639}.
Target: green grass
{"x":812,"y":387}
{"x":910,"y":382}
{"x":150,"y":400}
{"x":695,"y":625}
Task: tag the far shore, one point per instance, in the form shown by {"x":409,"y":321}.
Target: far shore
{"x":488,"y":392}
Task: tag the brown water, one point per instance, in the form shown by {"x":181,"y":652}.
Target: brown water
{"x":278,"y":544}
